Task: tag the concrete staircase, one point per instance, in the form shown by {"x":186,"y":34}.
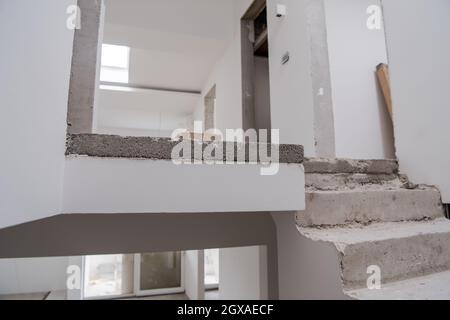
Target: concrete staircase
{"x":373,"y":216}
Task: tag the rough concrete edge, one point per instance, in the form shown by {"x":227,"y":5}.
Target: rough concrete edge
{"x":84,"y":68}
{"x":324,"y":135}
{"x":357,"y":223}
{"x":112,"y":146}
{"x":322,"y":165}
{"x":339,"y":246}
{"x":349,"y":286}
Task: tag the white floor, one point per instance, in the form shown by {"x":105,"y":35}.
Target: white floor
{"x":61,"y":295}
{"x":212,"y":295}
{"x":25,"y":296}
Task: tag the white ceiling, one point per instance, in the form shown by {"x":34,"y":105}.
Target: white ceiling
{"x":175,"y":43}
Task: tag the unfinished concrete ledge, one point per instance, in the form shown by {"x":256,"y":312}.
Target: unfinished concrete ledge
{"x":112,"y":146}
{"x":338,"y":208}
{"x":319,"y":165}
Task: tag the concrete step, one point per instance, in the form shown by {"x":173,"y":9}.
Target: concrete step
{"x":435,"y":286}
{"x":401,"y":250}
{"x":369,"y":204}
{"x":351,"y":181}
{"x":318,"y":165}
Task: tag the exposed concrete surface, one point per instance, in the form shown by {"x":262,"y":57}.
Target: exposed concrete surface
{"x":376,"y":232}
{"x":349,"y":181}
{"x":110,"y":146}
{"x":402,"y":250}
{"x":371,"y":215}
{"x":84,"y":68}
{"x":351,"y":166}
{"x":331,"y":208}
{"x":324,"y":134}
{"x":107,"y":146}
{"x":431,"y":287}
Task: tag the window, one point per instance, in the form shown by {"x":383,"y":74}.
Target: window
{"x":108,"y":275}
{"x":115,"y":64}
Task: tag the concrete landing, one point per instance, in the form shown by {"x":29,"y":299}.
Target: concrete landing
{"x":431,"y":287}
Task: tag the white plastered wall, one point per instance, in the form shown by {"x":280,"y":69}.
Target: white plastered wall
{"x":307,"y":269}
{"x":291,"y":83}
{"x":33,"y":275}
{"x":149,"y":186}
{"x":34,"y":86}
{"x":363,"y":128}
{"x":139,"y":112}
{"x":418,"y":38}
{"x":194,"y":274}
{"x":243,"y":273}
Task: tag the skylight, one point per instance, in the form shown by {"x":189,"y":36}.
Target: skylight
{"x":115,"y":64}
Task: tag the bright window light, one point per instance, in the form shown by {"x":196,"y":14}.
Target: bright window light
{"x":211,"y":268}
{"x":115,"y":63}
{"x":115,"y":56}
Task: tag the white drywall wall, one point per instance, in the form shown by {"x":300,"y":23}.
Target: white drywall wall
{"x":241,"y":274}
{"x":306,"y":269}
{"x":140,"y":112}
{"x":194,"y":274}
{"x":34,"y":86}
{"x":227,"y":78}
{"x":33,"y":275}
{"x":418,"y":38}
{"x":363,"y":128}
{"x":148,"y":186}
{"x":291,"y":84}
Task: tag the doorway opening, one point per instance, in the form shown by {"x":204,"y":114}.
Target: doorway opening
{"x":255,"y":68}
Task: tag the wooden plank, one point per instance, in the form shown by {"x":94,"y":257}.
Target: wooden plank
{"x":383,"y":79}
{"x":263,"y":37}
